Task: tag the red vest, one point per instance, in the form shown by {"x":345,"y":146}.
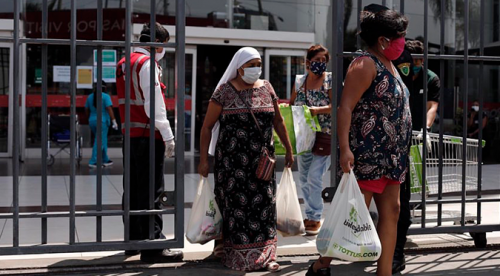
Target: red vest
{"x":139,"y":121}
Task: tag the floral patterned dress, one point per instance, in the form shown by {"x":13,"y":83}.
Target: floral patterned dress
{"x":381,"y":127}
{"x":316,"y":97}
{"x":247,"y":204}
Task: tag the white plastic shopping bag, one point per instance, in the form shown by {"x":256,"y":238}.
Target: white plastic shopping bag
{"x":289,"y":215}
{"x":205,"y":223}
{"x":348,"y":232}
{"x":215,"y":137}
{"x":305,"y":126}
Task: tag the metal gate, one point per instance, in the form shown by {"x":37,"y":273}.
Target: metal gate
{"x":173,"y":202}
{"x":476,"y":229}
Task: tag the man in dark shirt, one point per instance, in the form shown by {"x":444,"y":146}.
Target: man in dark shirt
{"x":411,"y":71}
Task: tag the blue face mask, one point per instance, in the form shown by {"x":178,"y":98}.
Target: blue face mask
{"x":417,"y":69}
{"x":317,"y":67}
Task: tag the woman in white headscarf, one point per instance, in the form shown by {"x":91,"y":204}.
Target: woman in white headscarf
{"x":247,"y":204}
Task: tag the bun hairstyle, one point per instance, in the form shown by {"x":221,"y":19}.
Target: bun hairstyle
{"x":377,"y":21}
{"x":161,"y":33}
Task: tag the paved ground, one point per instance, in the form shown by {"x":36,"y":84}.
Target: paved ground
{"x":468,"y":263}
{"x":114,"y":263}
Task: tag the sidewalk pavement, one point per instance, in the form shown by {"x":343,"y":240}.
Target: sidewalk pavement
{"x":486,"y":262}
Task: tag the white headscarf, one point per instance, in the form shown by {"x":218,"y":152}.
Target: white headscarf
{"x":241,"y":57}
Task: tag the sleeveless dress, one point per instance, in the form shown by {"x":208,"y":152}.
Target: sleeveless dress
{"x":381,"y":127}
{"x":247,"y":204}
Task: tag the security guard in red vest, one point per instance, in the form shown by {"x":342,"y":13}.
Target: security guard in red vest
{"x":141,"y":65}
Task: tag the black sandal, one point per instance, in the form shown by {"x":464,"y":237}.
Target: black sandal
{"x":321,"y":272}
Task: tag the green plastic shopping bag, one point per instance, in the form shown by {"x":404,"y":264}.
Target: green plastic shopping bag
{"x":416,"y":182}
{"x":301,"y":127}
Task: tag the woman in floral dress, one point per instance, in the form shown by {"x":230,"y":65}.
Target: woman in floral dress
{"x":248,"y":204}
{"x":374,"y":126}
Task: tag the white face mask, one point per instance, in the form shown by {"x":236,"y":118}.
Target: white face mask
{"x":475,"y":108}
{"x":251,"y":74}
{"x":159,"y":56}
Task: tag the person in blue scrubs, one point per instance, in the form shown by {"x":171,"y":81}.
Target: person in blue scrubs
{"x":108,"y":119}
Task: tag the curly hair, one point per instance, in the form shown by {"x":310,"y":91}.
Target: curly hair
{"x":377,"y":22}
{"x":414,"y":47}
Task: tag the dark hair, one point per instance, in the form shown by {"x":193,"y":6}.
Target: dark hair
{"x":316,"y":49}
{"x":414,"y":47}
{"x":103,"y":85}
{"x":377,"y":22}
{"x":161,"y":33}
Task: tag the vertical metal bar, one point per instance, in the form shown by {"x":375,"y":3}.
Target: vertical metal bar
{"x":358,"y":23}
{"x":16,"y":129}
{"x":481,"y":103}
{"x":441,"y":115}
{"x":384,"y":2}
{"x":72,"y":124}
{"x":402,"y":6}
{"x":152,"y":95}
{"x":230,"y":15}
{"x":126,"y":151}
{"x":465,"y":104}
{"x":99,"y":137}
{"x":45,"y":19}
{"x":424,"y":108}
{"x":180,"y":82}
{"x":338,"y":48}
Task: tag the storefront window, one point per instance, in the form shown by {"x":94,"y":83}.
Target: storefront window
{"x":58,"y":83}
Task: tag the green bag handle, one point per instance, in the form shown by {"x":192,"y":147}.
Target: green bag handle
{"x":310,"y":119}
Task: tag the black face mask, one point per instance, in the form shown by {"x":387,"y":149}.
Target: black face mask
{"x":318,"y":67}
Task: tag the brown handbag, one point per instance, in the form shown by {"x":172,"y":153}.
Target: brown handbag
{"x":265,"y":169}
{"x":322,"y":144}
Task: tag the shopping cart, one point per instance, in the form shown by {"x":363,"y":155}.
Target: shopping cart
{"x":60,"y":134}
{"x":452,"y":165}
{"x":453,"y":158}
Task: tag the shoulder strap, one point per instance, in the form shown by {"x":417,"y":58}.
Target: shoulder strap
{"x":299,"y":81}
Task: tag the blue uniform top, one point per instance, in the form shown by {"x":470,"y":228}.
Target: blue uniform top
{"x":106,"y":101}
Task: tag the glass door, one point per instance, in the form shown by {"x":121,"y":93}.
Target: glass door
{"x":168,"y":64}
{"x":6,"y":118}
{"x":281,"y":67}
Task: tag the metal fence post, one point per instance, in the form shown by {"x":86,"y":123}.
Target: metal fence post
{"x":180,"y":83}
{"x":126,"y":148}
{"x":16,"y":128}
{"x":152,"y":128}
{"x":465,"y":104}
{"x":73,"y":80}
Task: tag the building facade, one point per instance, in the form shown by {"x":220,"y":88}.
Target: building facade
{"x":281,"y":30}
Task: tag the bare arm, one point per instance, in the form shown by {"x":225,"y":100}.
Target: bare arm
{"x":293,"y":96}
{"x":358,"y":79}
{"x":432,"y":108}
{"x":110,"y":112}
{"x":470,"y":120}
{"x":212,"y":116}
{"x":327,"y":109}
{"x":280,"y":128}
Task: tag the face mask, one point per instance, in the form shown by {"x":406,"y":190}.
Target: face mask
{"x":417,"y":69}
{"x":159,"y":56}
{"x":475,"y":108}
{"x":395,"y":48}
{"x":251,"y":74}
{"x":317,"y":67}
